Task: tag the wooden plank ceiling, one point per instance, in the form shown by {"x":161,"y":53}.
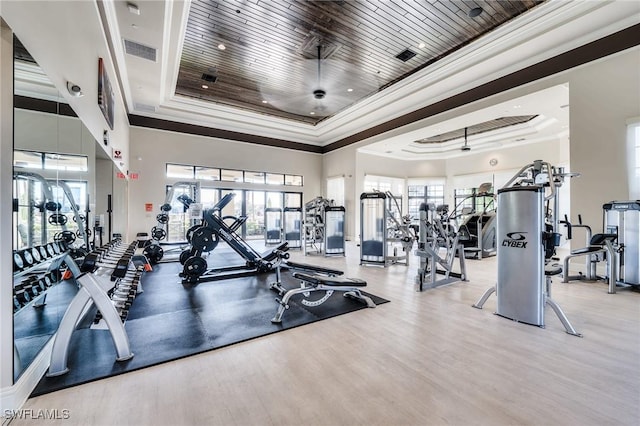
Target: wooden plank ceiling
{"x":270,"y":59}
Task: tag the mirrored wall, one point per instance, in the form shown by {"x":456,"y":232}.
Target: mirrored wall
{"x":63,"y":189}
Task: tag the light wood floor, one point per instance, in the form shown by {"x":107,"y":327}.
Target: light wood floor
{"x":423,"y":359}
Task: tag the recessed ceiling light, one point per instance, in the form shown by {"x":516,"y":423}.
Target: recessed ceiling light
{"x":134,"y":26}
{"x":222,"y":46}
{"x":312,"y":113}
{"x":265,"y":102}
{"x":517,"y":106}
{"x":421,"y":46}
{"x":204,"y":86}
{"x":349,"y":90}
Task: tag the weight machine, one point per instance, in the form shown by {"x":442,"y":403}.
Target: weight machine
{"x":323,"y":228}
{"x":437,"y":233}
{"x":273,"y":225}
{"x":205,"y":238}
{"x":622,"y":219}
{"x":527,"y":224}
{"x":292,"y":224}
{"x":385,"y":239}
{"x":479,"y":225}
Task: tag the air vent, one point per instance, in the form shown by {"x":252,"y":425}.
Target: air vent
{"x":209,"y":77}
{"x":406,"y":54}
{"x":140,"y":50}
{"x":144,"y":107}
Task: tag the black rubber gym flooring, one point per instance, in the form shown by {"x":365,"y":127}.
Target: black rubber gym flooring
{"x":170,"y":320}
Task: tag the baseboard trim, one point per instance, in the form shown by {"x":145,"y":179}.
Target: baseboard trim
{"x":13,"y":398}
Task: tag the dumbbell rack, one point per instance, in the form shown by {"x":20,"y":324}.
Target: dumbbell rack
{"x":108,"y":270}
{"x":35,"y":270}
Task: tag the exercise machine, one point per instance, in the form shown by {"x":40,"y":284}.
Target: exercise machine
{"x":292,"y":226}
{"x":384,"y":238}
{"x":593,"y":252}
{"x":323,"y":228}
{"x":527,"y":226}
{"x":205,"y":238}
{"x":436,"y":233}
{"x":622,"y":218}
{"x":479,"y":224}
{"x":273,"y":225}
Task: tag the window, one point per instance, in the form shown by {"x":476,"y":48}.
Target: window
{"x":335,"y":190}
{"x":207,"y":173}
{"x":423,"y":190}
{"x":633,"y":158}
{"x":50,"y":161}
{"x":72,"y":163}
{"x":293,"y":180}
{"x":231,"y":175}
{"x":179,"y":171}
{"x":274,"y":179}
{"x":27,"y":160}
{"x":253,"y":177}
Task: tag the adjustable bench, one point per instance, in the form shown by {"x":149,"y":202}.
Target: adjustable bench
{"x":310,"y":283}
{"x":301,"y":267}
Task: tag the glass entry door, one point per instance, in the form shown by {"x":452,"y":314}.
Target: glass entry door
{"x":255,"y":204}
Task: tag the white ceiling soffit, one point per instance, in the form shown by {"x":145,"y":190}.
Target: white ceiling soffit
{"x":552,"y":123}
{"x":546,"y":31}
{"x":29,"y":80}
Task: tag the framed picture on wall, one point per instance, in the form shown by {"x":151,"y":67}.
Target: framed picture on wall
{"x":105,"y":94}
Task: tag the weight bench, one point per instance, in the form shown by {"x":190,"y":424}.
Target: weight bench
{"x":301,"y":267}
{"x":329,"y":284}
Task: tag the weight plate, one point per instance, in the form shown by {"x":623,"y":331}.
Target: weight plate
{"x":35,"y":253}
{"x":204,"y":239}
{"x":195,"y":266}
{"x":18,"y":263}
{"x":43,"y":252}
{"x":52,"y":206}
{"x":153,"y":253}
{"x":65,"y":236}
{"x":190,"y":232}
{"x":184,"y":256}
{"x":26,"y":255}
{"x":56,"y":248}
{"x":162,"y":218}
{"x":165,"y":207}
{"x":51,"y":250}
{"x":157,"y":233}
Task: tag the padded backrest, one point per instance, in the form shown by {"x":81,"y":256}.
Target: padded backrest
{"x":599,"y":239}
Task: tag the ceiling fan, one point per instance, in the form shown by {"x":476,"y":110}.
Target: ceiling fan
{"x":327,"y":87}
{"x":465,"y":147}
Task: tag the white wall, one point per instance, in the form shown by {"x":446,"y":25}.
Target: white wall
{"x":37,"y":131}
{"x":158,"y":147}
{"x":603,"y":96}
{"x":66,"y":39}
